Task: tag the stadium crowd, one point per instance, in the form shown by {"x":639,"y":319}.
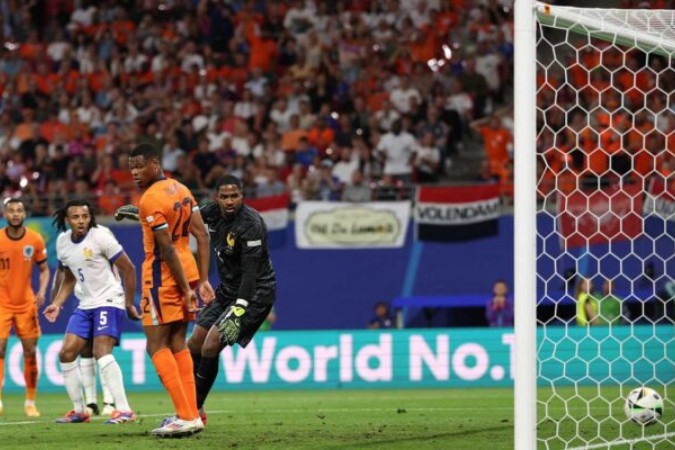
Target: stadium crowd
{"x":314,"y":97}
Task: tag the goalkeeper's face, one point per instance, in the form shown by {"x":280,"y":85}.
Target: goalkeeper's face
{"x":230,"y":199}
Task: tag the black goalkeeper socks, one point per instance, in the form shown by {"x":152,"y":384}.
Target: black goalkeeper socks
{"x":196,"y":362}
{"x":206,"y":376}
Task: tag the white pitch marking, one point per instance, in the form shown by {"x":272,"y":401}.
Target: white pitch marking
{"x":625,"y":441}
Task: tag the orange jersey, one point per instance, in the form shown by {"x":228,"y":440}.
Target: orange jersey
{"x":166,"y":204}
{"x":17,"y":257}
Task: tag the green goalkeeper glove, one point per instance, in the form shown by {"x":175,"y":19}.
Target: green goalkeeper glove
{"x":229,"y":326}
{"x":127,"y":212}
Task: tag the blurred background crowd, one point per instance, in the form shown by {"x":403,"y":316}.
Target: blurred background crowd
{"x":336,"y":100}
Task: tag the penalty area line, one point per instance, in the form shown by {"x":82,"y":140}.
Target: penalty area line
{"x":610,"y":444}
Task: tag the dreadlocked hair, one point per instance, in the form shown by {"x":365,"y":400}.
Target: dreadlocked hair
{"x":62,"y":213}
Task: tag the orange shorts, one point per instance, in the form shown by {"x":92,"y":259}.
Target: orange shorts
{"x":165,"y":304}
{"x":26,"y":323}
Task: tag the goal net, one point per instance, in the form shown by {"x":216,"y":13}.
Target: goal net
{"x":605,"y":222}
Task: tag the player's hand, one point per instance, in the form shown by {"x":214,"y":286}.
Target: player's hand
{"x":51,"y":312}
{"x":229,"y":326}
{"x":39,"y":300}
{"x":132,"y":312}
{"x":206,"y":292}
{"x":129,"y":212}
{"x":191,"y":304}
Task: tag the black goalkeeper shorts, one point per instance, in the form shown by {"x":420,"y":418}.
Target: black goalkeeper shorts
{"x":257,"y":311}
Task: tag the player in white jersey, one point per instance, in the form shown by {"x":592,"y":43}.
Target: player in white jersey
{"x":91,"y":259}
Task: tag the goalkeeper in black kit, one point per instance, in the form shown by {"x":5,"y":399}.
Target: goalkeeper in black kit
{"x":247,"y":289}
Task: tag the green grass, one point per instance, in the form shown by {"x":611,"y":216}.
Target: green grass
{"x":455,"y":419}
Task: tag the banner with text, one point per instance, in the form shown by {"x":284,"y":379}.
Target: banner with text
{"x":439,"y":357}
{"x":457,"y":213}
{"x":351,"y":225}
{"x":607,"y":215}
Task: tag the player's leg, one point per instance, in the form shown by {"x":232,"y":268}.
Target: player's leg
{"x":208,"y":369}
{"x":6,"y":319}
{"x":28,"y":331}
{"x":165,"y":326}
{"x":195,"y":343}
{"x":88,"y":372}
{"x":159,"y":350}
{"x":108,"y":402}
{"x":207,"y":318}
{"x":159,"y":339}
{"x":77,"y":338}
{"x":255,"y":315}
{"x":185,"y":365}
{"x":106,"y":337}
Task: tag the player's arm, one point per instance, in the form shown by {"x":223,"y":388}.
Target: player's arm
{"x":57,"y":281}
{"x":43,"y":267}
{"x":65,"y":289}
{"x":171,"y":259}
{"x":128,"y":271}
{"x":198,"y":230}
{"x":252,"y":254}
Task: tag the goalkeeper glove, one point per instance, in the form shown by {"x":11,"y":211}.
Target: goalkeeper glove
{"x":229,"y":326}
{"x":127,"y":212}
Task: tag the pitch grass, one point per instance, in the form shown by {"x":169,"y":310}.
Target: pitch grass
{"x":418,"y":419}
{"x":336,"y":419}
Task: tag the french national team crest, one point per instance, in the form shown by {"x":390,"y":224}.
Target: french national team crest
{"x":88,"y":253}
{"x":28,"y":251}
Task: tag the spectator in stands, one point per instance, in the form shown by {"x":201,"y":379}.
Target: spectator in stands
{"x":356,"y":190}
{"x":499,"y":309}
{"x":498,"y":142}
{"x":116,"y":75}
{"x":321,"y":184}
{"x":383,"y":318}
{"x":427,"y":159}
{"x":397,"y":151}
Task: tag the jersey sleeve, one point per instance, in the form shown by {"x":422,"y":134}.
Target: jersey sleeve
{"x":253,"y":241}
{"x":152,"y":212}
{"x":110,"y":247}
{"x":252,"y":254}
{"x":59,"y":249}
{"x":40,"y":254}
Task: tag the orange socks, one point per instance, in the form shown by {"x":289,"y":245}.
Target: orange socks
{"x":30,"y":374}
{"x":167,"y":369}
{"x":187,"y":376}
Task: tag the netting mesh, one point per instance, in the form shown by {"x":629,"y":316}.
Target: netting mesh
{"x":606,"y":225}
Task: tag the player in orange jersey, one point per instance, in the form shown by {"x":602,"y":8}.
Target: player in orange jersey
{"x":20,"y":249}
{"x":169,"y":214}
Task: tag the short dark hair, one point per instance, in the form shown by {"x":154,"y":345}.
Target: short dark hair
{"x":60,"y":215}
{"x":13,"y":200}
{"x":147,"y":151}
{"x":229,"y":179}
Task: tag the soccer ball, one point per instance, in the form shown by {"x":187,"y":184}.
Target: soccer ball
{"x":644,"y":406}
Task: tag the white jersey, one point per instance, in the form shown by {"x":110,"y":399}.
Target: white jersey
{"x":91,"y":262}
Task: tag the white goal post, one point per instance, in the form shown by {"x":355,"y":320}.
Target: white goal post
{"x":600,"y":153}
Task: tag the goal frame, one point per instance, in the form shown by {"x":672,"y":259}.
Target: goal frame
{"x":525,"y":225}
{"x":528,"y":14}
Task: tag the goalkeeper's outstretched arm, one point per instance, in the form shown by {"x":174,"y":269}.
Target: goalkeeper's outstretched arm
{"x":129,"y":212}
